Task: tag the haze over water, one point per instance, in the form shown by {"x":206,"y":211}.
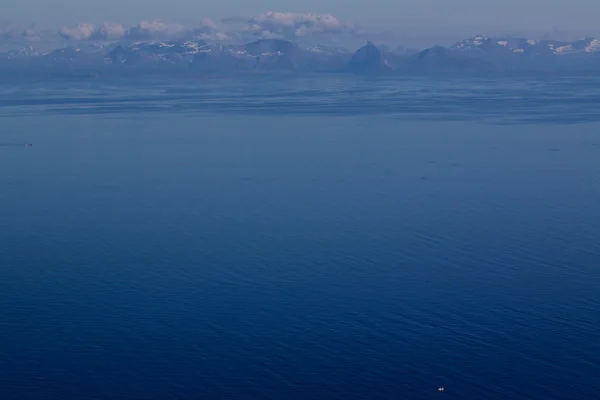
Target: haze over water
{"x":300,"y":239}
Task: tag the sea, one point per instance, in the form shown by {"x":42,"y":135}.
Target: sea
{"x":301,"y":238}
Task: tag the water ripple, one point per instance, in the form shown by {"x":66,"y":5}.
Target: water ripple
{"x":565,"y":101}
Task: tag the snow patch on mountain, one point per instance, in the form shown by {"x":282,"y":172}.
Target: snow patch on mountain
{"x":484,"y":44}
{"x":194,"y":47}
{"x":471,"y":43}
{"x":27,"y":51}
{"x":327,"y":50}
{"x":566,"y":49}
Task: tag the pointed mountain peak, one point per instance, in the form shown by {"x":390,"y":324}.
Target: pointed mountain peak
{"x":368,"y":59}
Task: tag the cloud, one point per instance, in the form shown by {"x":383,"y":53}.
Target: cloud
{"x":284,"y":25}
{"x":31,"y":35}
{"x":83,"y":31}
{"x":87,"y":31}
{"x":8,"y":32}
{"x":109,"y":31}
{"x":156,"y":29}
{"x":270,"y":25}
{"x":207,"y":30}
{"x":145,"y":30}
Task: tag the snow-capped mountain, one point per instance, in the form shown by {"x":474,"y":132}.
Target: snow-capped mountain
{"x":482,"y":43}
{"x":476,"y":55}
{"x":317,"y":48}
{"x":144,"y":52}
{"x":27,"y":51}
{"x":259,"y":56}
{"x":169,"y":47}
{"x":484,"y":55}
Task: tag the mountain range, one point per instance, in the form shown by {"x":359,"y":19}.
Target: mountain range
{"x":479,"y":55}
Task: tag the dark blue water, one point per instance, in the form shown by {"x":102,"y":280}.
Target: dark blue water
{"x":203,"y":253}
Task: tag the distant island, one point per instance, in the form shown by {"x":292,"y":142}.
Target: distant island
{"x":476,"y":56}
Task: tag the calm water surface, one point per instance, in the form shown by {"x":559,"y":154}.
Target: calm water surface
{"x":193,"y":253}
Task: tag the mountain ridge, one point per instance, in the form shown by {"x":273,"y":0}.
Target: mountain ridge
{"x":473,"y":56}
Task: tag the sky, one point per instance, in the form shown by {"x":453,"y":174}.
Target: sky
{"x":430,"y":20}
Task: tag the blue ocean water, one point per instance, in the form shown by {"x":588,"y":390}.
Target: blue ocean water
{"x":300,"y":239}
